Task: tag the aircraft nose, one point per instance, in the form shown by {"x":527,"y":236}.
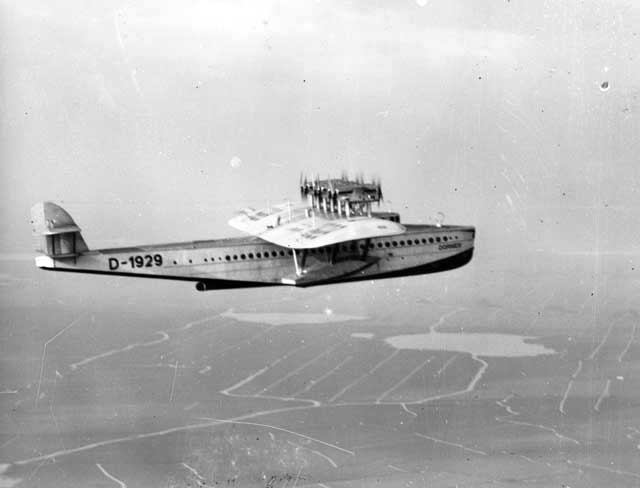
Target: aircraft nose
{"x":469,"y":232}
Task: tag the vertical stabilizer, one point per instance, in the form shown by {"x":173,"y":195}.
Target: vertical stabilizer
{"x":54,"y":231}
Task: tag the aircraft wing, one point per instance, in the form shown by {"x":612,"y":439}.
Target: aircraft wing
{"x":291,"y":226}
{"x":255,"y":222}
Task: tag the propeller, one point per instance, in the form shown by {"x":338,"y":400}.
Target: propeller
{"x":378,"y":189}
{"x":305,"y":186}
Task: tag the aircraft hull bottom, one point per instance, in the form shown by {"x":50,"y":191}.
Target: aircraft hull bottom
{"x":208,"y":284}
{"x":440,"y":265}
{"x":204,"y":284}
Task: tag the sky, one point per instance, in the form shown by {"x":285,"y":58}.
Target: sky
{"x":155,"y":121}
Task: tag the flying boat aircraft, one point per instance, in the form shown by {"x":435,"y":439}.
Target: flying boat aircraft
{"x":332,"y":236}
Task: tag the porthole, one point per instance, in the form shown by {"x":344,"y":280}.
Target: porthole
{"x":258,"y":255}
{"x":250,"y":255}
{"x":274,"y":254}
{"x":190,"y":261}
{"x":227,"y":257}
{"x":444,"y":238}
{"x":424,"y":241}
{"x":387,"y":244}
{"x":437,"y":239}
{"x":175,"y":262}
{"x":379,"y":244}
{"x":235,"y":257}
{"x":430,"y":240}
{"x":290,"y":252}
{"x":395,"y":244}
{"x":205,"y":260}
{"x":281,"y":253}
{"x":371,"y":246}
{"x":402,"y":243}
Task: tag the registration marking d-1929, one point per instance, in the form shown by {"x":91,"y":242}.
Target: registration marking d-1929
{"x":137,"y":261}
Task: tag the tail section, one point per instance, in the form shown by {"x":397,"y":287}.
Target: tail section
{"x":55,"y":233}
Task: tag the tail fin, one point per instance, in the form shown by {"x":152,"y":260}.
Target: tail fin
{"x":54,"y":231}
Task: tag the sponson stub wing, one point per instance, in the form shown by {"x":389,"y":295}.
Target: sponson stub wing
{"x":298,"y":227}
{"x":322,"y":272}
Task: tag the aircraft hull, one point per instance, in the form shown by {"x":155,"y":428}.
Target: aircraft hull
{"x":250,"y":262}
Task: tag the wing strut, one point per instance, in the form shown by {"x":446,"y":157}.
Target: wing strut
{"x":295,"y":262}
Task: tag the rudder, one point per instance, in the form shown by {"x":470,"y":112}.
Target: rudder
{"x":54,"y":231}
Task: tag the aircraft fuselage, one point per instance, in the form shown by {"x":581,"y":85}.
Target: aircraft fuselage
{"x":251,"y":261}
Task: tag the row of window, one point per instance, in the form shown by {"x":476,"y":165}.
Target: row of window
{"x":257,"y":255}
{"x":344,"y":247}
{"x":409,"y":242}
